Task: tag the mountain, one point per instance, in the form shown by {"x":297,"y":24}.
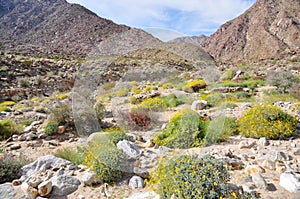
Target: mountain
{"x":270,"y":29}
{"x":52,"y":26}
{"x":197,"y":40}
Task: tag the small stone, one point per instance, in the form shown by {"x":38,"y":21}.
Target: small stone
{"x":297,"y":152}
{"x":199,"y":105}
{"x":81,"y":197}
{"x":129,"y":148}
{"x":149,"y":144}
{"x":254,"y":169}
{"x":64,"y":185}
{"x":228,"y":152}
{"x":27,"y":129}
{"x":290,"y":182}
{"x":293,"y":145}
{"x":61,"y":129}
{"x":283,"y":156}
{"x":246,"y":144}
{"x":136,"y":182}
{"x":29,"y":191}
{"x":15,"y":147}
{"x":42,"y":135}
{"x":263,"y":141}
{"x":45,"y":188}
{"x":53,"y":143}
{"x":269,"y":164}
{"x":16,"y":182}
{"x":34,"y":182}
{"x":30,"y":136}
{"x":259,"y":181}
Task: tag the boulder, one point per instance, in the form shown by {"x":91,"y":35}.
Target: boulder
{"x":7,"y":191}
{"x":136,"y":182}
{"x":64,"y":185}
{"x":29,"y":191}
{"x":199,"y":105}
{"x":42,"y":164}
{"x":259,"y":181}
{"x":90,"y":178}
{"x":290,"y":182}
{"x":129,"y":148}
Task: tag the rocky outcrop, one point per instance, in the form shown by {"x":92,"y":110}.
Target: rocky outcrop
{"x":268,"y":30}
{"x":197,"y":40}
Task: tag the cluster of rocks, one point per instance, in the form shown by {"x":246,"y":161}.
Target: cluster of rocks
{"x":261,"y":165}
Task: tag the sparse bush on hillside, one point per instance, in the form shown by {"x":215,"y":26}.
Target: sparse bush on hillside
{"x":51,"y":127}
{"x":267,"y":121}
{"x":220,"y":129}
{"x":104,"y":158}
{"x":194,"y":85}
{"x":184,"y":130}
{"x":171,"y":100}
{"x":136,"y":119}
{"x":122,"y":92}
{"x":8,"y":128}
{"x":75,"y":155}
{"x":24,"y":82}
{"x":188,"y":177}
{"x":282,"y":80}
{"x":152,"y":104}
{"x":10,"y":167}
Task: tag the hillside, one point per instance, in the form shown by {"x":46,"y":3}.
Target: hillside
{"x":268,"y":30}
{"x":197,"y":40}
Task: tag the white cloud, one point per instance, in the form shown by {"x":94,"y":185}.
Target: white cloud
{"x":186,"y":16}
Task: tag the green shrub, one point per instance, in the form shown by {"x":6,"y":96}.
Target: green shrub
{"x":220,"y":129}
{"x":7,"y":129}
{"x":171,"y":100}
{"x":242,"y":95}
{"x":226,"y":105}
{"x":118,"y":136}
{"x":99,"y":110}
{"x":62,"y":114}
{"x":51,"y":127}
{"x":108,"y":85}
{"x":75,"y":155}
{"x":283,"y":80}
{"x":24,"y":82}
{"x":104,"y":158}
{"x":136,"y":90}
{"x":267,"y":121}
{"x":188,"y":177}
{"x":185,"y":129}
{"x":122,"y":92}
{"x":10,"y":167}
{"x":214,"y":99}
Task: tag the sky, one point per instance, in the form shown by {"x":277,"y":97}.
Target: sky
{"x":169,"y":18}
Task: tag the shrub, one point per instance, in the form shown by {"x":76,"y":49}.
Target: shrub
{"x":214,"y":99}
{"x":242,"y":95}
{"x":282,"y":80}
{"x":104,"y":158}
{"x":122,"y":92}
{"x":108,"y":85}
{"x":152,"y":104}
{"x":136,"y":90}
{"x":100,"y":110}
{"x":267,"y":121}
{"x":117,"y":136}
{"x":51,"y":127}
{"x":171,"y":100}
{"x":61,"y":113}
{"x":136,"y":119}
{"x":7,"y":129}
{"x":63,"y":96}
{"x":220,"y":129}
{"x":188,"y":177}
{"x":75,"y":155}
{"x":194,"y":86}
{"x":185,"y":129}
{"x":226,"y":105}
{"x":24,"y":82}
{"x":132,"y":100}
{"x":10,"y":167}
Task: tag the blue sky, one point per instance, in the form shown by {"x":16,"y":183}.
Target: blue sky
{"x":189,"y":17}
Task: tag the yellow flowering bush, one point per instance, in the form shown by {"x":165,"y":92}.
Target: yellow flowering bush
{"x":152,"y":104}
{"x":194,"y":86}
{"x":267,"y":121}
{"x":188,"y":177}
{"x":122,"y":92}
{"x":184,"y":130}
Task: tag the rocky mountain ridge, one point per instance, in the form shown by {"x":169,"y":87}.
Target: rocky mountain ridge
{"x":268,"y":30}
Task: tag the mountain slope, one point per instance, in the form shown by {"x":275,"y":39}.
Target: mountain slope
{"x":197,"y":40}
{"x":53,"y":26}
{"x":268,"y":30}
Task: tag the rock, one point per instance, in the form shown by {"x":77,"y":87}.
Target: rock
{"x":293,"y":145}
{"x":34,"y":181}
{"x":149,"y":144}
{"x":15,"y":147}
{"x":228,"y":152}
{"x":64,"y":185}
{"x":16,"y":182}
{"x":27,"y":129}
{"x":81,"y":197}
{"x":136,"y":182}
{"x":269,"y":164}
{"x":61,"y":129}
{"x":90,"y":179}
{"x":29,"y":191}
{"x":53,"y":143}
{"x":290,"y":182}
{"x":234,"y":163}
{"x":246,"y":144}
{"x":7,"y":191}
{"x":45,"y":188}
{"x":259,"y":181}
{"x":42,"y":164}
{"x":30,"y":136}
{"x":199,"y":105}
{"x":141,"y":172}
{"x":297,"y":152}
{"x":263,"y":141}
{"x":104,"y":190}
{"x":129,"y":148}
{"x":42,"y":135}
{"x":283,"y":156}
{"x":253,"y":169}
